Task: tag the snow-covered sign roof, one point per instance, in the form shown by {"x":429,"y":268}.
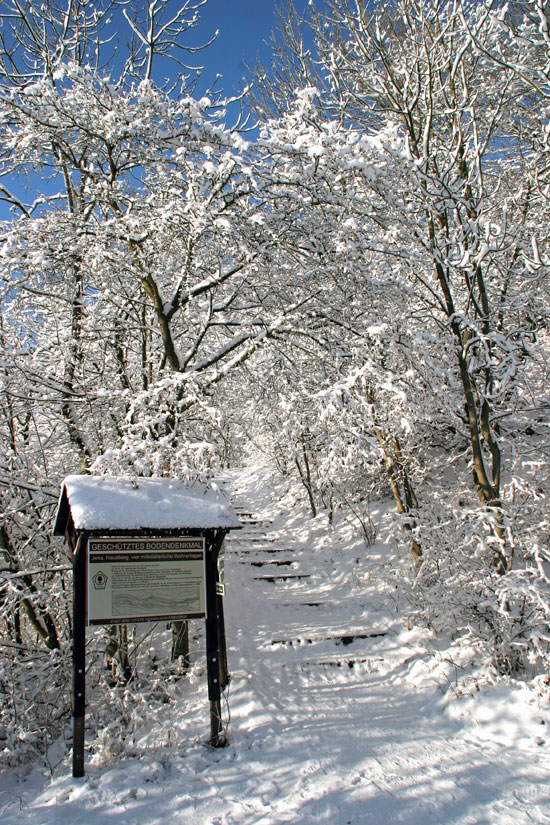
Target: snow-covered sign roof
{"x":116,"y":503}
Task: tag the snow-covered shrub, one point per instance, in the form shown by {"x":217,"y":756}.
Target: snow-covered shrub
{"x":484,"y":580}
{"x":167,"y":432}
{"x":35,"y":701}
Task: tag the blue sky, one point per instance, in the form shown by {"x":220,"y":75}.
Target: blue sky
{"x":243,"y":25}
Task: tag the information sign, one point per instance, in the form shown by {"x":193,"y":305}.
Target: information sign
{"x":145,"y":579}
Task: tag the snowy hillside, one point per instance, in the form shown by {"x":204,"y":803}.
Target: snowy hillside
{"x":337,"y":712}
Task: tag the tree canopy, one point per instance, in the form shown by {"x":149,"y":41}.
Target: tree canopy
{"x":358,"y":290}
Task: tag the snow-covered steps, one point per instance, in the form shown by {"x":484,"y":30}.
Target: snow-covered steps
{"x":282,"y":577}
{"x":250,"y":520}
{"x":325,"y":651}
{"x":303,"y":622}
{"x":272,"y":563}
{"x":311,"y":666}
{"x":337,"y":640}
{"x":246,"y":555}
{"x":285,"y":581}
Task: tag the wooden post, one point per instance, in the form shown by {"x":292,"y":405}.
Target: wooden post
{"x":79,"y":653}
{"x":218,"y":738}
{"x":222,"y":644}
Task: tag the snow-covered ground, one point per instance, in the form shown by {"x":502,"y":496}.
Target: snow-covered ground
{"x":337,"y":712}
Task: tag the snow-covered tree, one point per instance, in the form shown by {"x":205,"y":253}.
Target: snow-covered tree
{"x":127,"y":273}
{"x":414,"y":165}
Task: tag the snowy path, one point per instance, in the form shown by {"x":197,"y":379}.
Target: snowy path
{"x":336,"y":715}
{"x":337,"y":693}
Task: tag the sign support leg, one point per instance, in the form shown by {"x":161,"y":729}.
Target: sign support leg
{"x":218,"y":738}
{"x":224,"y":674}
{"x":79,"y":654}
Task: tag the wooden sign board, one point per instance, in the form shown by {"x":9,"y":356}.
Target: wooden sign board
{"x":145,"y":550}
{"x":145,"y":579}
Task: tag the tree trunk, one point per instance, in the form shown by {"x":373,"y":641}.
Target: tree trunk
{"x":117,"y":654}
{"x":180,"y":643}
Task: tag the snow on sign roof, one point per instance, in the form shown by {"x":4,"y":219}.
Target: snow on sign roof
{"x":111,"y":503}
